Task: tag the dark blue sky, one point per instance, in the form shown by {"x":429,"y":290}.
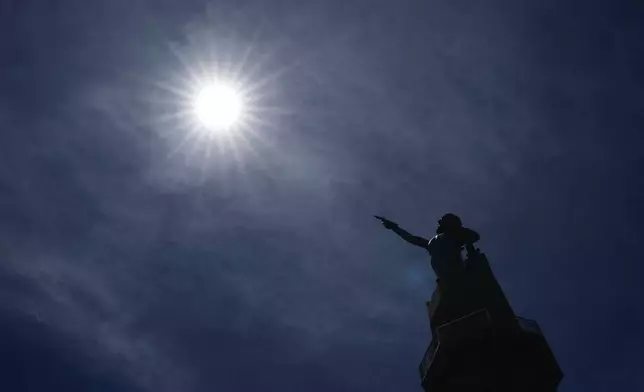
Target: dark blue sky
{"x":130,"y":262}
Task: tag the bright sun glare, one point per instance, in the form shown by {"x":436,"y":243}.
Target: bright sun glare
{"x":218,"y":106}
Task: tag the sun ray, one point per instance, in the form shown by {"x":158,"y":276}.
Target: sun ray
{"x":184,"y":62}
{"x":177,"y":91}
{"x":168,"y":118}
{"x":249,"y":48}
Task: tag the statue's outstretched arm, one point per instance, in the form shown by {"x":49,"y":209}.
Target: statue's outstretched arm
{"x":404,"y":234}
{"x":412,"y":239}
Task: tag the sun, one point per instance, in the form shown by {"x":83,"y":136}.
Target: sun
{"x":216,"y":111}
{"x":218,"y":106}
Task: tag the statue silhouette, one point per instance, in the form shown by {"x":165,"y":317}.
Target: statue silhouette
{"x":445,"y":247}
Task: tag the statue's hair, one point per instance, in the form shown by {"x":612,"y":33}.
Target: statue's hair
{"x":448,"y":220}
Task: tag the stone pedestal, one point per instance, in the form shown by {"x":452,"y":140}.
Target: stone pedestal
{"x":479,"y":344}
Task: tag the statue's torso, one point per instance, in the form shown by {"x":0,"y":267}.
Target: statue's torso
{"x":445,"y":252}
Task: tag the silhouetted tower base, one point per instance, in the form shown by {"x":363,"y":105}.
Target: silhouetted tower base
{"x":479,"y":344}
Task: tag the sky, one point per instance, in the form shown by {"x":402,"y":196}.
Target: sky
{"x":135,"y":256}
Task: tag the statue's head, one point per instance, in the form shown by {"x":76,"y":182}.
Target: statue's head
{"x":448,"y":222}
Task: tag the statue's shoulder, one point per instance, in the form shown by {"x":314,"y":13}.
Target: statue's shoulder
{"x":434,"y":241}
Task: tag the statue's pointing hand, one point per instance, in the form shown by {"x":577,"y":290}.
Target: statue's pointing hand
{"x":386,"y":222}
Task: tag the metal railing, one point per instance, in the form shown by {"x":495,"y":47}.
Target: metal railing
{"x":427,"y":358}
